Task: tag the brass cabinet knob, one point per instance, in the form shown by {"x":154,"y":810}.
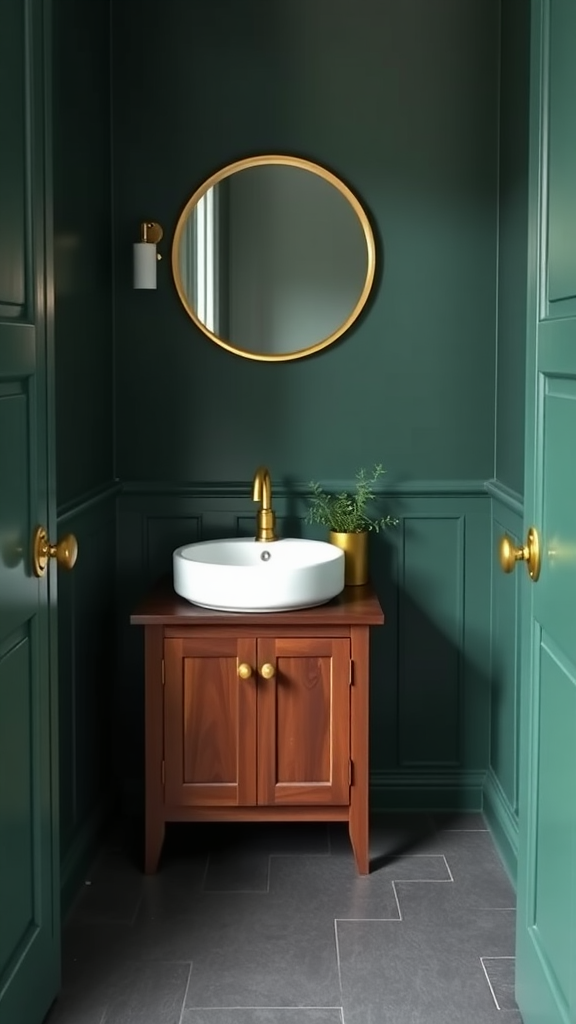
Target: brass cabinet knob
{"x":529,"y":553}
{"x":65,"y":551}
{"x":244,"y":670}
{"x":267,"y":671}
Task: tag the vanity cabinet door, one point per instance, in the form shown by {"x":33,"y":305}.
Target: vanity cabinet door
{"x":304,"y":721}
{"x":209,"y":722}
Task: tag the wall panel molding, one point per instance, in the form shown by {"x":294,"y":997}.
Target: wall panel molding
{"x":242,"y":489}
{"x":87,"y":502}
{"x":505,"y":496}
{"x":431,"y":639}
{"x":434,"y":790}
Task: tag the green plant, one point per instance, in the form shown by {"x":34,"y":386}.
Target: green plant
{"x":348,"y":512}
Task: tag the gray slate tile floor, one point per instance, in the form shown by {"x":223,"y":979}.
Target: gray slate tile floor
{"x":270,"y":924}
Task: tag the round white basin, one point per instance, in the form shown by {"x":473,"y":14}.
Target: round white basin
{"x":241,"y":574}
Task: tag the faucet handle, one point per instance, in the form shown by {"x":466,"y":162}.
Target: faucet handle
{"x":265,"y":525}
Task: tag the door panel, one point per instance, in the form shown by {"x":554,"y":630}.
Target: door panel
{"x":209,"y":722}
{"x":29,"y":886}
{"x":546,"y":914}
{"x":554,"y":603}
{"x":304,"y":721}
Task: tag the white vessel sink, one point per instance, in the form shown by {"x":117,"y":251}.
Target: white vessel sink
{"x":244,"y":575}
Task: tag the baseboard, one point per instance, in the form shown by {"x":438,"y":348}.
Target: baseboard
{"x":80,"y":855}
{"x":438,"y":790}
{"x":435,"y":790}
{"x":502,"y":822}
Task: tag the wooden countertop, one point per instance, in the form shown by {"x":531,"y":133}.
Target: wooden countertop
{"x":162,"y":606}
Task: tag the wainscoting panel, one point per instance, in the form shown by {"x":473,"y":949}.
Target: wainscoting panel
{"x":437,"y":692}
{"x":431,"y":641}
{"x":501,"y":790}
{"x":87,"y":658}
{"x":430,"y":684}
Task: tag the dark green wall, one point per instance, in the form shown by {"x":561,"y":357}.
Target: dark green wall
{"x":512,"y":245}
{"x":401,"y":101}
{"x":83,"y":252}
{"x":501,"y":791}
{"x":84,"y":420}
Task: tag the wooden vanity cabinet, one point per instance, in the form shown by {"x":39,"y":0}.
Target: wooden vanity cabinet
{"x":257,"y":717}
{"x":231,"y":741}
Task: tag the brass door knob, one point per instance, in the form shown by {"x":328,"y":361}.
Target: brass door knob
{"x":267,"y":671}
{"x":244,"y":670}
{"x":65,"y":551}
{"x":529,"y":553}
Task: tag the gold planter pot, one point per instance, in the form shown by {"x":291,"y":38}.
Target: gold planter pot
{"x":355,"y":548}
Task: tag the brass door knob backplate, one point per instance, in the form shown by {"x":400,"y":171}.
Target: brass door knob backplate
{"x":529,"y":553}
{"x":65,"y":551}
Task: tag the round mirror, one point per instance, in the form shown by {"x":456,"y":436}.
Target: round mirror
{"x":273,"y":257}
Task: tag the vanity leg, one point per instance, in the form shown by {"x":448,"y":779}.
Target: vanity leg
{"x":358,"y":822}
{"x":154,"y":748}
{"x":153,"y":843}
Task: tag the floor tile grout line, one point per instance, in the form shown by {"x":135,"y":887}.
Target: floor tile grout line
{"x":395,"y":891}
{"x":489,"y":983}
{"x":423,"y":881}
{"x":448,"y":868}
{"x":413,"y":856}
{"x":338,"y":961}
{"x":293,"y":1009}
{"x":185,"y":994}
{"x":368,"y":920}
{"x":325,"y":854}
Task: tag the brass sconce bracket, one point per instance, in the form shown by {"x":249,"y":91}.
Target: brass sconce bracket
{"x":151,"y":231}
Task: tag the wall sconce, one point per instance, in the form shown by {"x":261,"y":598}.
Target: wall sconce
{"x":145,"y":255}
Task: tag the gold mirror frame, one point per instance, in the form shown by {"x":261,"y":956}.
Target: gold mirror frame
{"x":290,"y":161}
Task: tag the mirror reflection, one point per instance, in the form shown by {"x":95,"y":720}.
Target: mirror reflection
{"x":273,"y":257}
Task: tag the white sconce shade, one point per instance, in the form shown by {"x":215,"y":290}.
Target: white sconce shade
{"x":144,"y":265}
{"x":145,"y":255}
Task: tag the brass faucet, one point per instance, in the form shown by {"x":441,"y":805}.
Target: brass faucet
{"x":262,"y":492}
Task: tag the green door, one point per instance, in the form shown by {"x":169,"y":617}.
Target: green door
{"x":29,"y":901}
{"x":546,"y":936}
